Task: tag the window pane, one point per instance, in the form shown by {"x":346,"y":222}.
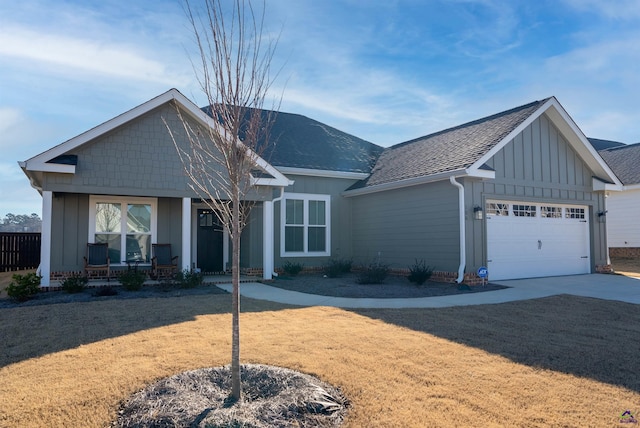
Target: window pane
{"x":524,"y":210}
{"x":108,"y":217}
{"x":494,"y":208}
{"x":113,"y":240}
{"x":138,"y":248}
{"x":317,"y":213}
{"x":317,"y":239}
{"x":138,"y":218}
{"x":574,"y":213}
{"x":295,"y":211}
{"x":293,"y":238}
{"x":550,"y":212}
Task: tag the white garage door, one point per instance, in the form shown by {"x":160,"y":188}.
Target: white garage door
{"x":527,"y":240}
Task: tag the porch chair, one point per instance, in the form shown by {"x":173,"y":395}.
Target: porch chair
{"x":162,"y":262}
{"x":97,"y":259}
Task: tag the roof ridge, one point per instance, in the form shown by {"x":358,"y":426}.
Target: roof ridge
{"x":473,"y":122}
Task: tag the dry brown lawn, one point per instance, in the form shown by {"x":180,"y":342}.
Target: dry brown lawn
{"x":558,"y":361}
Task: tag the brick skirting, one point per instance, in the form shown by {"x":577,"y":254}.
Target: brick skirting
{"x":625,"y":252}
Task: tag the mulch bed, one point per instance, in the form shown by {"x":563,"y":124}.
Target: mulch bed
{"x":272,"y":397}
{"x":92,"y":294}
{"x":394,"y":286}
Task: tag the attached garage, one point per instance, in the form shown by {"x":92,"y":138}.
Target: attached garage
{"x":531,"y":239}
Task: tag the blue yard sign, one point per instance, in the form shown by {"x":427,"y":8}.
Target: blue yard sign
{"x":483,"y":272}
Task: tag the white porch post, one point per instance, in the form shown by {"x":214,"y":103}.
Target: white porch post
{"x":267,"y":240}
{"x":45,"y":242}
{"x":186,"y":233}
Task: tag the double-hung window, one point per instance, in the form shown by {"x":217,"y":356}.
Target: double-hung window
{"x":305,"y":225}
{"x":127,"y":225}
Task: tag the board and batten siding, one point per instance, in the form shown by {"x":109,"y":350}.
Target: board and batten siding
{"x":538,"y":165}
{"x":402,"y":225}
{"x":170,"y":225}
{"x":340,"y":218}
{"x":69,"y":231}
{"x":623,"y":226}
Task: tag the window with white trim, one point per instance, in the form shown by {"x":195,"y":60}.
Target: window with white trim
{"x":305,"y":225}
{"x":128,"y":225}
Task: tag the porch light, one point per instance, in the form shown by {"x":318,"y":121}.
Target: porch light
{"x":477,"y":212}
{"x":602,"y":216}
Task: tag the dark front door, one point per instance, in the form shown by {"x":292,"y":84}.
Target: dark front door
{"x":210,"y":242}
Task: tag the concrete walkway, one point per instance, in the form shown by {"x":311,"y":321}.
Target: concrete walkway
{"x":600,"y":286}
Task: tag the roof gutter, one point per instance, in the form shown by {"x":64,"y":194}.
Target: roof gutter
{"x":463,"y":250}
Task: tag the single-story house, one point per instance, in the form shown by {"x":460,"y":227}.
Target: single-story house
{"x":521,"y":193}
{"x":623,"y":226}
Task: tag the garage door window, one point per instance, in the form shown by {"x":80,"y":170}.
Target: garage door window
{"x":495,"y":208}
{"x":524,"y":210}
{"x":550,"y":212}
{"x":574,"y":213}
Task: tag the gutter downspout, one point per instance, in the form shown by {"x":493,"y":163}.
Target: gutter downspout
{"x":463,"y":250}
{"x":273,"y":207}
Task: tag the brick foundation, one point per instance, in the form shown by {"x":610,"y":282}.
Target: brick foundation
{"x":625,"y":252}
{"x":604,"y":268}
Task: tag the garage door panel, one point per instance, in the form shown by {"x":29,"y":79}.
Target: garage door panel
{"x":545,"y":244}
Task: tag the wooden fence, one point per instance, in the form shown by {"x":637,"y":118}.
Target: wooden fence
{"x":19,"y":251}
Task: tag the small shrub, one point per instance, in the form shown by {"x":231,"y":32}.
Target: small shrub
{"x":132,"y":279}
{"x":74,"y":283}
{"x":336,"y":267}
{"x":24,"y":287}
{"x":375,"y":273}
{"x":105,"y":290}
{"x":419,"y":272}
{"x":291,"y":268}
{"x":189,"y":278}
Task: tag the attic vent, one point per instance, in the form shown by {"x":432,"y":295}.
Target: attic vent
{"x":65,"y":160}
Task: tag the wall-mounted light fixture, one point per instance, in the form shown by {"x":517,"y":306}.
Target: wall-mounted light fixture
{"x":477,"y":213}
{"x":602,"y":216}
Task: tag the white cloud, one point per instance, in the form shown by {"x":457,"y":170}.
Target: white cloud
{"x":83,"y":55}
{"x":9,"y":118}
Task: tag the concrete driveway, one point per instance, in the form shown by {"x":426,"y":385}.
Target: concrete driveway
{"x":599,"y":286}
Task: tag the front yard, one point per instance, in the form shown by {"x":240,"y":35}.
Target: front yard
{"x":559,"y":361}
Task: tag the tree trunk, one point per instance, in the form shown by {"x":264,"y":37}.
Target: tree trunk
{"x":235,"y":311}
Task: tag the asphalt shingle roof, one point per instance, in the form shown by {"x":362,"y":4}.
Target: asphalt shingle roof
{"x":299,"y":142}
{"x":624,"y":161}
{"x":599,"y":144}
{"x":447,"y":150}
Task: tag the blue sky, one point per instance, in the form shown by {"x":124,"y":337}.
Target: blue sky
{"x":385,"y":71}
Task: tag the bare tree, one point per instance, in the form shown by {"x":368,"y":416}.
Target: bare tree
{"x":233,"y":72}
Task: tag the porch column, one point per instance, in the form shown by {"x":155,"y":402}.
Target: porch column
{"x":186,"y":234}
{"x":267,"y":240}
{"x":45,"y":241}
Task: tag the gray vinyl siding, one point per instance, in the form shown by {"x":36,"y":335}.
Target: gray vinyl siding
{"x":538,"y":165}
{"x":251,"y":240}
{"x":340,"y":218}
{"x":399,"y":226}
{"x":69,"y":231}
{"x":136,"y":159}
{"x":170,"y":224}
